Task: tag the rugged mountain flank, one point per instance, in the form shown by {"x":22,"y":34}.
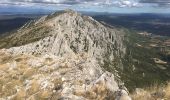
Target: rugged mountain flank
{"x":61,"y":56}
{"x":65,"y":33}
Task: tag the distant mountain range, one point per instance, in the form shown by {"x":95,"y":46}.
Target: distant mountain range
{"x":149,"y":22}
{"x":152,"y":23}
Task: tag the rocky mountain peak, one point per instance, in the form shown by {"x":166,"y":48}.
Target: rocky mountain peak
{"x":69,"y":11}
{"x":64,"y":53}
{"x":68,"y":33}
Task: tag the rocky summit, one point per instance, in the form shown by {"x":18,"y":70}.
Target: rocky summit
{"x":61,"y":57}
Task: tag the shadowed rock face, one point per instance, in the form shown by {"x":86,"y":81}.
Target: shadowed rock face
{"x":64,"y":52}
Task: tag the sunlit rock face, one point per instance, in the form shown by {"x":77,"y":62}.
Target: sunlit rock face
{"x":60,"y":56}
{"x":67,"y":32}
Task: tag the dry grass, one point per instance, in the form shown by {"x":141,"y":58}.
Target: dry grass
{"x":17,"y":81}
{"x":98,"y":92}
{"x":34,"y":88}
{"x":21,"y":95}
{"x":167,"y":90}
{"x":4,"y":58}
{"x":155,"y":92}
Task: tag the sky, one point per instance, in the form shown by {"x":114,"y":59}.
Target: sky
{"x":110,"y":6}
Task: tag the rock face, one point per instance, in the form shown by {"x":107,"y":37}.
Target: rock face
{"x":60,"y":56}
{"x":65,"y":33}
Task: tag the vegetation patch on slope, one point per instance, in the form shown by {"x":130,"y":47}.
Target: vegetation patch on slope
{"x":139,"y":69}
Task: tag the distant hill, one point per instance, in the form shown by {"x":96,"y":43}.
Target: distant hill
{"x":7,"y":25}
{"x":154,"y":23}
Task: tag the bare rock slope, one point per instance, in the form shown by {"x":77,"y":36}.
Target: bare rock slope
{"x":60,"y":56}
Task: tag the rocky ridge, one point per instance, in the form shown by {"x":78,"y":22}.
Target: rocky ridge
{"x":60,"y":56}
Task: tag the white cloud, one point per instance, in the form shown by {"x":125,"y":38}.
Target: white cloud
{"x":70,"y":2}
{"x":127,"y":3}
{"x":99,"y":3}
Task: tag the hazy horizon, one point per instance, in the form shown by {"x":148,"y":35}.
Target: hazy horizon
{"x":110,"y":6}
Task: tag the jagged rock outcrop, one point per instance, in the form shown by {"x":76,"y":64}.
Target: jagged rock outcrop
{"x":60,"y":56}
